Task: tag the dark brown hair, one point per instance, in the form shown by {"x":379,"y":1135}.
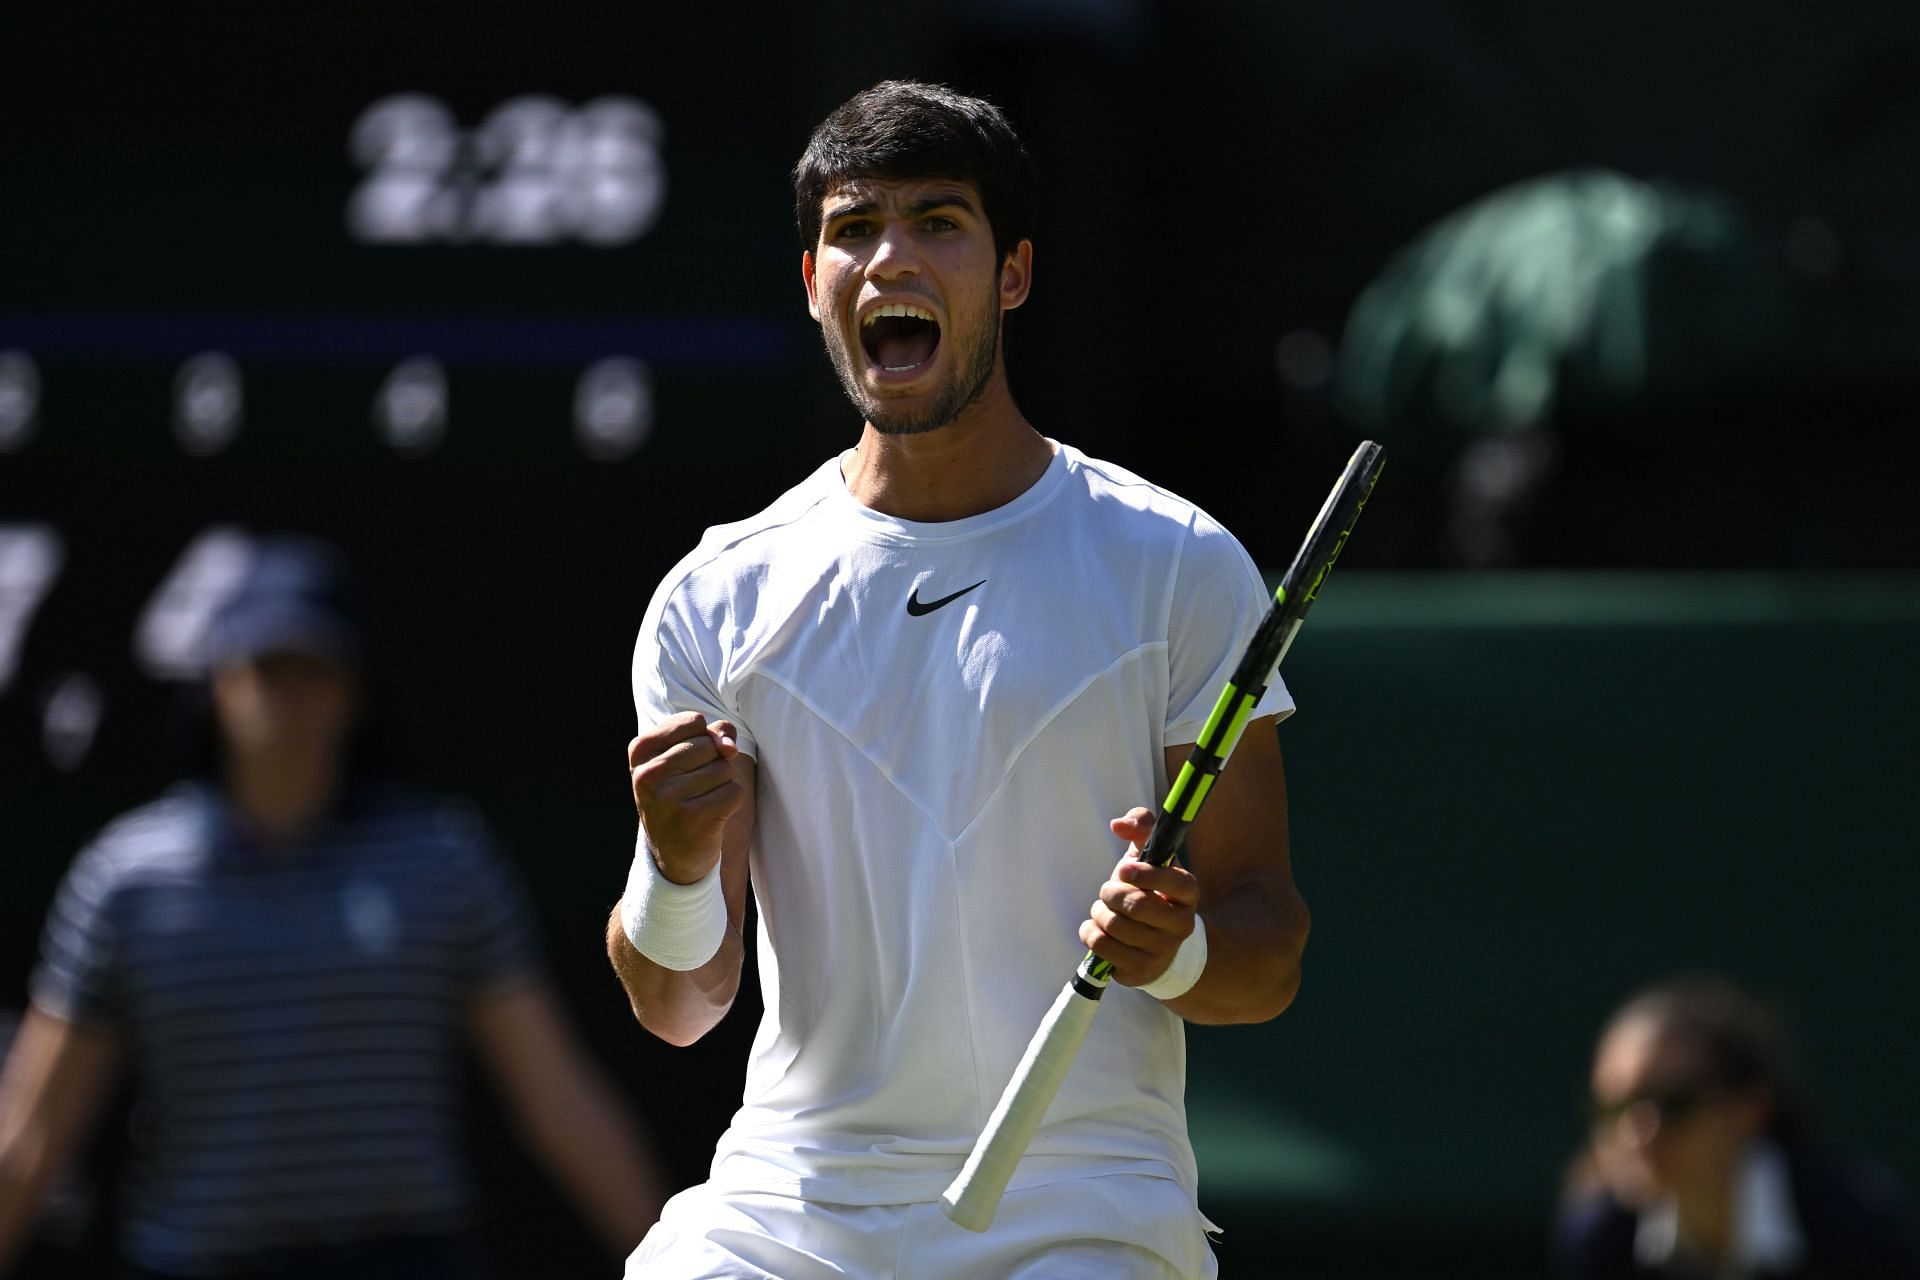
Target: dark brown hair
{"x":1741,"y":1038}
{"x":905,"y":129}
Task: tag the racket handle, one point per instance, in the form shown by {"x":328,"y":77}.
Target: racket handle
{"x":973,"y":1196}
{"x":1163,"y":842}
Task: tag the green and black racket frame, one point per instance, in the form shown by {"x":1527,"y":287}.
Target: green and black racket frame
{"x":975,"y":1194}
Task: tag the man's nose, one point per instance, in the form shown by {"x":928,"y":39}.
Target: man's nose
{"x":893,"y":255}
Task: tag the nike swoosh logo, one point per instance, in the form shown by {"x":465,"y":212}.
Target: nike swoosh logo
{"x":917,"y":609}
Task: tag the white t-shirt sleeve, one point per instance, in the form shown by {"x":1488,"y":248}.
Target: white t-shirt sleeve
{"x":1218,"y":601}
{"x":680,"y":661}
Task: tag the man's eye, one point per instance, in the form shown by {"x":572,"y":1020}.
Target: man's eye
{"x":941,"y":223}
{"x":853,"y":230}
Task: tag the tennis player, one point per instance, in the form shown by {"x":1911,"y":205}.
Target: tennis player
{"x":921,"y":703}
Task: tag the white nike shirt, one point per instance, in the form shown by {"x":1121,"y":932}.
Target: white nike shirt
{"x":944,"y":718}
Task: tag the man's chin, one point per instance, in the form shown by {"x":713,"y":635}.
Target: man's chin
{"x":905,"y":424}
{"x":931,"y":407}
{"x":894,"y":418}
{"x":901,"y":416}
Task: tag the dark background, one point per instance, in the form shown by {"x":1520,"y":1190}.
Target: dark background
{"x":1219,"y":178}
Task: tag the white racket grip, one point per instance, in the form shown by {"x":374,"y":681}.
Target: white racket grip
{"x":973,"y":1196}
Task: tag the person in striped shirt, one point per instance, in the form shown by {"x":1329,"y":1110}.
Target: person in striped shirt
{"x":290,"y":960}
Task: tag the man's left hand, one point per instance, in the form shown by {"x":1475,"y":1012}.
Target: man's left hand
{"x":1144,"y":912}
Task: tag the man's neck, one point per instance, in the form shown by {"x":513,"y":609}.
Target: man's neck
{"x":984,"y":459}
{"x":280,"y":796}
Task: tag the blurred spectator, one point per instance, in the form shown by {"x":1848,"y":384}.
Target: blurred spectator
{"x":289,"y":956}
{"x":1700,"y":1163}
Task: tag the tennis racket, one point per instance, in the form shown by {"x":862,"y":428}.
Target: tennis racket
{"x":975,"y":1194}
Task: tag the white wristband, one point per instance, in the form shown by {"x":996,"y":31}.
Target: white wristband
{"x":677,"y":926}
{"x":1188,"y":961}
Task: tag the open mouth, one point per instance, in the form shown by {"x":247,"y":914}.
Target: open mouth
{"x":899,"y":337}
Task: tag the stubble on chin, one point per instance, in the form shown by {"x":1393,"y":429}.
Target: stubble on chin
{"x":971,"y":378}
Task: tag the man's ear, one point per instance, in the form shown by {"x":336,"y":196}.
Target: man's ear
{"x":1016,"y":276}
{"x":806,"y":274}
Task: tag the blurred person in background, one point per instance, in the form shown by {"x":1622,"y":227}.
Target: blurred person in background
{"x":290,"y":956}
{"x":1701,"y":1165}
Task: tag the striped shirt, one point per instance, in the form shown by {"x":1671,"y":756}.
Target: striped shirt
{"x":294,"y":1017}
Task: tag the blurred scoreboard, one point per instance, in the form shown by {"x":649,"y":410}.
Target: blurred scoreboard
{"x":511,"y":311}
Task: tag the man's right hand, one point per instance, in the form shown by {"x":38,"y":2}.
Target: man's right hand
{"x":694,"y":789}
{"x":685,"y":787}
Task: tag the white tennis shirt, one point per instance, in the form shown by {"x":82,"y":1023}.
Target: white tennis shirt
{"x":944,"y":717}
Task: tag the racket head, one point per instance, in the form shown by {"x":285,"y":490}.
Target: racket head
{"x":1300,"y":586}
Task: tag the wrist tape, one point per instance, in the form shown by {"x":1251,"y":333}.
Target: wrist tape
{"x":677,"y":926}
{"x":1188,"y":961}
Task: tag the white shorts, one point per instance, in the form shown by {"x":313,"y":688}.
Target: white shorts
{"x":1149,"y":1229}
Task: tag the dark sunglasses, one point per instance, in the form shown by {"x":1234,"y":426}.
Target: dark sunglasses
{"x":1671,"y":1105}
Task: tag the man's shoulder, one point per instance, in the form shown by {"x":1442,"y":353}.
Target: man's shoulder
{"x":1129,"y":497}
{"x":739,"y":547}
{"x":174,"y":821}
{"x":164,"y":837}
{"x":1146,"y":519}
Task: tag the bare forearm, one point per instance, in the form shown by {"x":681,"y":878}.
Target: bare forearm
{"x":694,"y":792}
{"x":588,"y":1142}
{"x":54,"y":1081}
{"x":678,"y":1006}
{"x":23,"y":1187}
{"x":1256,"y":932}
{"x":567,"y":1111}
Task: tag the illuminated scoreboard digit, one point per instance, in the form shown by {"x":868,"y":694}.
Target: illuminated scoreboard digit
{"x":536,"y":171}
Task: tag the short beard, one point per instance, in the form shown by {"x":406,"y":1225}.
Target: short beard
{"x":977,"y":360}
